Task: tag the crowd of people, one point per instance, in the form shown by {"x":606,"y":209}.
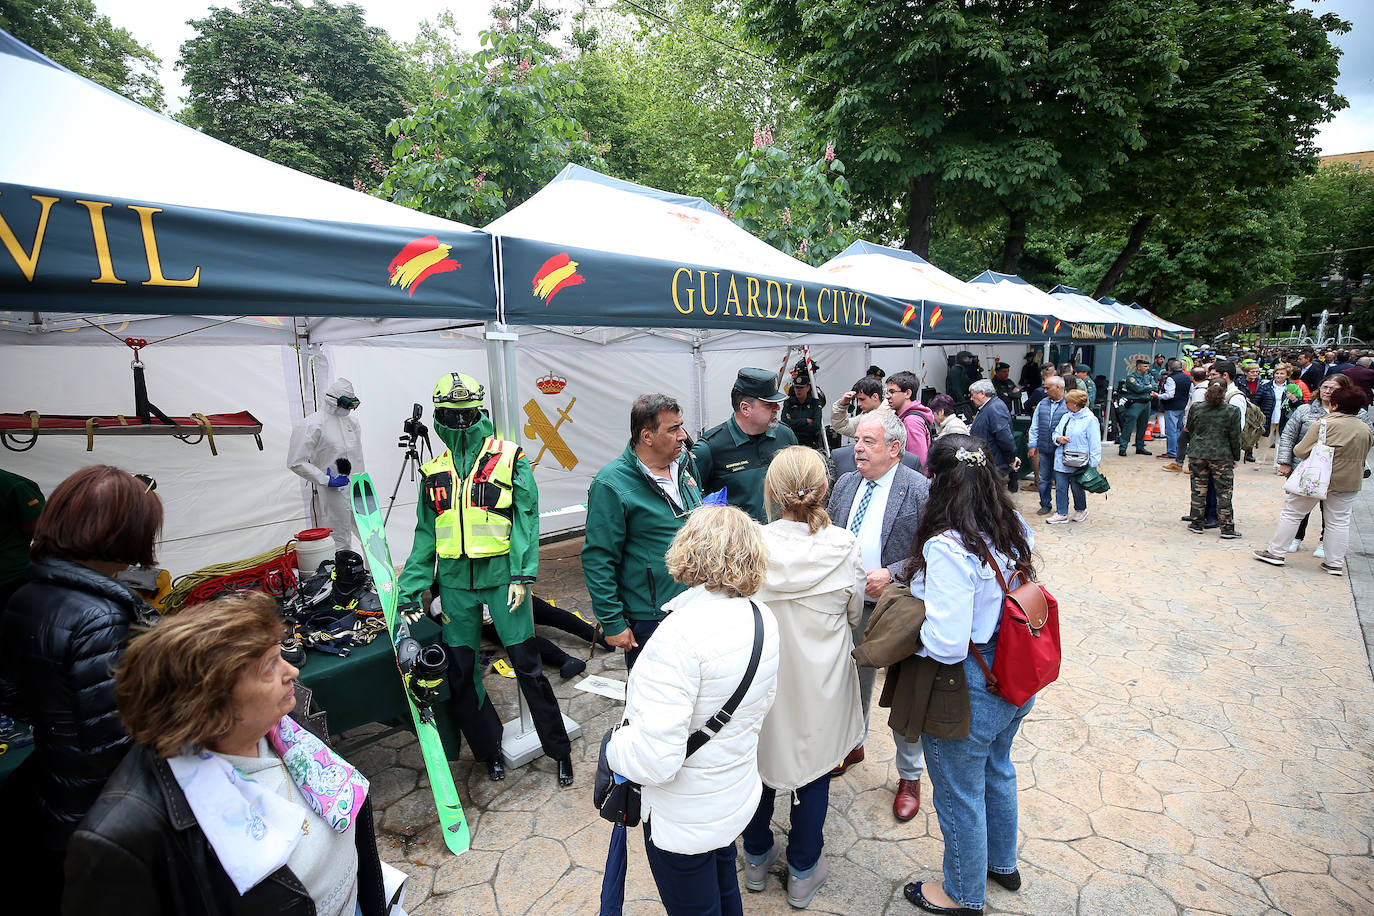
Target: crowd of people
{"x":760,"y":570}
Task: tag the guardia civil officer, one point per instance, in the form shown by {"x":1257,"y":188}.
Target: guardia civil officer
{"x":802,"y":412}
{"x":735,"y":454}
{"x":478,"y":514}
{"x":1136,"y":389}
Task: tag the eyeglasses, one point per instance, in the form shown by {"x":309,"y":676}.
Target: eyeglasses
{"x":148,"y":480}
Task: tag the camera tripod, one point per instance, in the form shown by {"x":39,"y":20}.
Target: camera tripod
{"x":415,"y":440}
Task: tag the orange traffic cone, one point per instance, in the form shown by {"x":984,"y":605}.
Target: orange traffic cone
{"x":1149,"y":432}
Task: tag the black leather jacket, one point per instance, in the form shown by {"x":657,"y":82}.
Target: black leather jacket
{"x":140,"y":850}
{"x":62,"y":631}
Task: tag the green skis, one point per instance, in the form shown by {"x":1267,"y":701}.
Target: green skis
{"x":367,"y":511}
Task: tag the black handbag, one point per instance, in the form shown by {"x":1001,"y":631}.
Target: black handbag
{"x":619,"y":802}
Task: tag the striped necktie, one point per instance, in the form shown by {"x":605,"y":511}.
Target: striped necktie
{"x":862,"y":508}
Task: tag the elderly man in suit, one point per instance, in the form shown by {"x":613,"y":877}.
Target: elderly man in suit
{"x":993,"y":425}
{"x":881,"y":503}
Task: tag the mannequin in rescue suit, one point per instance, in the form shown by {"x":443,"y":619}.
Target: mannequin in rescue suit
{"x":478,"y":513}
{"x":326,"y":447}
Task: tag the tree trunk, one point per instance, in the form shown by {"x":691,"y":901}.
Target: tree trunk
{"x":1015,"y":242}
{"x":1133,"y":241}
{"x":920,"y":206}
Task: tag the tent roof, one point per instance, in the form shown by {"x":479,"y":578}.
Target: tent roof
{"x":1079,"y":304}
{"x":70,"y":134}
{"x":901,"y":274}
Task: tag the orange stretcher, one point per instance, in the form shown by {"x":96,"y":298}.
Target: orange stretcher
{"x":21,"y":430}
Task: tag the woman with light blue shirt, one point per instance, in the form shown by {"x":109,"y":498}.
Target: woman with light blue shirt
{"x":969,"y":523}
{"x":1077,"y":432}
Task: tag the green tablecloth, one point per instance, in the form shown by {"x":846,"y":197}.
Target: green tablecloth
{"x":12,"y":758}
{"x":365,"y":687}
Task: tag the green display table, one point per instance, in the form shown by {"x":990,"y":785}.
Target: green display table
{"x":364,"y":687}
{"x":11,"y":759}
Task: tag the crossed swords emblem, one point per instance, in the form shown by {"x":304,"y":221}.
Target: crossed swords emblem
{"x":546,"y":432}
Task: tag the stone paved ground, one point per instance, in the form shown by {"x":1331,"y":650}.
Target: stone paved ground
{"x":1209,"y":747}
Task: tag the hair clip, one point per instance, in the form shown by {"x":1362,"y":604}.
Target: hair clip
{"x":969,"y":457}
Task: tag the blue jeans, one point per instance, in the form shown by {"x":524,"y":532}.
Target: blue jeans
{"x":1173,"y":425}
{"x":805,"y":838}
{"x":975,"y":789}
{"x":704,"y":884}
{"x":1044,"y":476}
{"x":1066,"y":481}
{"x":642,"y":630}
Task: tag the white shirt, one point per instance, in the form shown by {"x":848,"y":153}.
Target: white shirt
{"x":667,"y":484}
{"x":1280,"y":398}
{"x":870,"y":531}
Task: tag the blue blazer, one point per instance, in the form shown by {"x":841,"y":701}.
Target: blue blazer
{"x":993,"y":426}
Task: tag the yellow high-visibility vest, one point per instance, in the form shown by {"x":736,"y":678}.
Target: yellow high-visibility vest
{"x":477,"y":523}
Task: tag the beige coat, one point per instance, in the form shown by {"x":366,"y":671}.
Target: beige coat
{"x":815,"y":589}
{"x":953,"y":424}
{"x":1349,"y":436}
{"x":845,"y":425}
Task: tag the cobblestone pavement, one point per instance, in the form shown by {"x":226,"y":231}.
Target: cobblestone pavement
{"x":1209,"y":747}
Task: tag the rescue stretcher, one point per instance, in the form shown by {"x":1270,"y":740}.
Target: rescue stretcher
{"x":19,"y":431}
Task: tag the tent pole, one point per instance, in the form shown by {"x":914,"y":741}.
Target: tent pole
{"x":698,"y":386}
{"x":1111,"y":386}
{"x":501,"y":377}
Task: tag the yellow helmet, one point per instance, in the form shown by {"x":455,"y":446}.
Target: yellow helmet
{"x":454,"y":389}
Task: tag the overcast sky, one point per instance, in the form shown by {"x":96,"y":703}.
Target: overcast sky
{"x":161,"y":24}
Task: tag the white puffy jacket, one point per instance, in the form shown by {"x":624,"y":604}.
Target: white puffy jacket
{"x":684,"y":675}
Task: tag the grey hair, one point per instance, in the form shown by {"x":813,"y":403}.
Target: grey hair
{"x":645,"y":410}
{"x":986,"y":387}
{"x":1174,"y":365}
{"x":1364,"y":361}
{"x":1052,"y":380}
{"x":894,"y":430}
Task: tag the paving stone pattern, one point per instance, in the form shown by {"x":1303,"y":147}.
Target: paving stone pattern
{"x":1209,"y":747}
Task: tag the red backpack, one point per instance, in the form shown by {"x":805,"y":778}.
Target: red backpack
{"x":1028,"y":650}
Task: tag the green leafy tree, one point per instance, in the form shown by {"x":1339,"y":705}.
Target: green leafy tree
{"x":1336,"y":247}
{"x":489,"y":135}
{"x":75,"y":35}
{"x":434,"y":49}
{"x":795,"y":205}
{"x":311,"y":87}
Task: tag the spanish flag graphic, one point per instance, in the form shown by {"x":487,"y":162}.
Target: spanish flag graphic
{"x":908,"y":314}
{"x":936,"y":316}
{"x":1057,"y":325}
{"x":1044,"y":325}
{"x":420,"y":260}
{"x":558,"y":273}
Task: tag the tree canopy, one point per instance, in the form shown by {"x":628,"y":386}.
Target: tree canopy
{"x":75,"y":35}
{"x":312,"y":87}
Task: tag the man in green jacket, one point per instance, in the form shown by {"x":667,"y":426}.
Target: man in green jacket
{"x":635,"y":506}
{"x":477,"y":540}
{"x":1136,"y":388}
{"x":735,"y":455}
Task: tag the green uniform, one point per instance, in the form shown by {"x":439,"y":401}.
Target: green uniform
{"x":957,"y":382}
{"x":727,"y":457}
{"x":804,"y":418}
{"x":1137,"y":388}
{"x":20,"y":503}
{"x":1088,"y":385}
{"x":466,"y":584}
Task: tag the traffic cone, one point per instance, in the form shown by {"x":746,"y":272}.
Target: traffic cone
{"x":1149,"y":432}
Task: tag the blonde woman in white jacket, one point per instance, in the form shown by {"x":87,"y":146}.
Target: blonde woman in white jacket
{"x":694,"y":807}
{"x":815,"y":588}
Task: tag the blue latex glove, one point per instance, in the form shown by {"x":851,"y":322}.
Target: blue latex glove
{"x":336,"y":480}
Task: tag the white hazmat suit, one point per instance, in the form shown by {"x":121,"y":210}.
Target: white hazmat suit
{"x":317,"y":444}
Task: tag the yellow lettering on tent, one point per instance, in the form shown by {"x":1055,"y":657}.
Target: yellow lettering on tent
{"x":155,"y":277}
{"x":788,"y":299}
{"x":733,"y":296}
{"x":753,"y":287}
{"x":102,"y":242}
{"x":690,"y":291}
{"x":802,"y":313}
{"x":715,"y":298}
{"x":28,"y":261}
{"x":770,"y":287}
{"x":863,"y":309}
{"x":820,"y":313}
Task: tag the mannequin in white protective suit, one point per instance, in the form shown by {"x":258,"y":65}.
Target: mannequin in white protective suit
{"x":327,"y":447}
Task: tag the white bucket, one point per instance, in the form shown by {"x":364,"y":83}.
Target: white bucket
{"x":313,"y":547}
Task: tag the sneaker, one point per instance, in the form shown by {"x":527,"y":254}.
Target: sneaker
{"x":1080,"y":515}
{"x":756,"y":876}
{"x":1173,"y":466}
{"x":1293,"y":547}
{"x":1333,"y":570}
{"x":801,"y":891}
{"x":1264,"y":556}
{"x":1196,"y":528}
{"x":1043,"y":510}
{"x":1320,"y":552}
{"x":1056,"y":519}
{"x":1186,"y":518}
{"x":1229,"y":532}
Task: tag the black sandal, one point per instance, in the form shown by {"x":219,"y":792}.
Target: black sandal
{"x":918,"y":899}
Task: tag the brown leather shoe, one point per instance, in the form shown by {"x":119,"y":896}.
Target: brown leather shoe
{"x":853,"y":757}
{"x":908,"y":800}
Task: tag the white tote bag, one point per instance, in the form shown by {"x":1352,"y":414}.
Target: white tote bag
{"x":1313,"y":476}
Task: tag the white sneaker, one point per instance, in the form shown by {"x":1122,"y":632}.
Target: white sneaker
{"x":1079,"y":516}
{"x":1056,"y":519}
{"x":1320,"y":551}
{"x":1293,"y":547}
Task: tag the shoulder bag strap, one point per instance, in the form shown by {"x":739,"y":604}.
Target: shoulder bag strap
{"x":973,"y":649}
{"x":714,"y":724}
